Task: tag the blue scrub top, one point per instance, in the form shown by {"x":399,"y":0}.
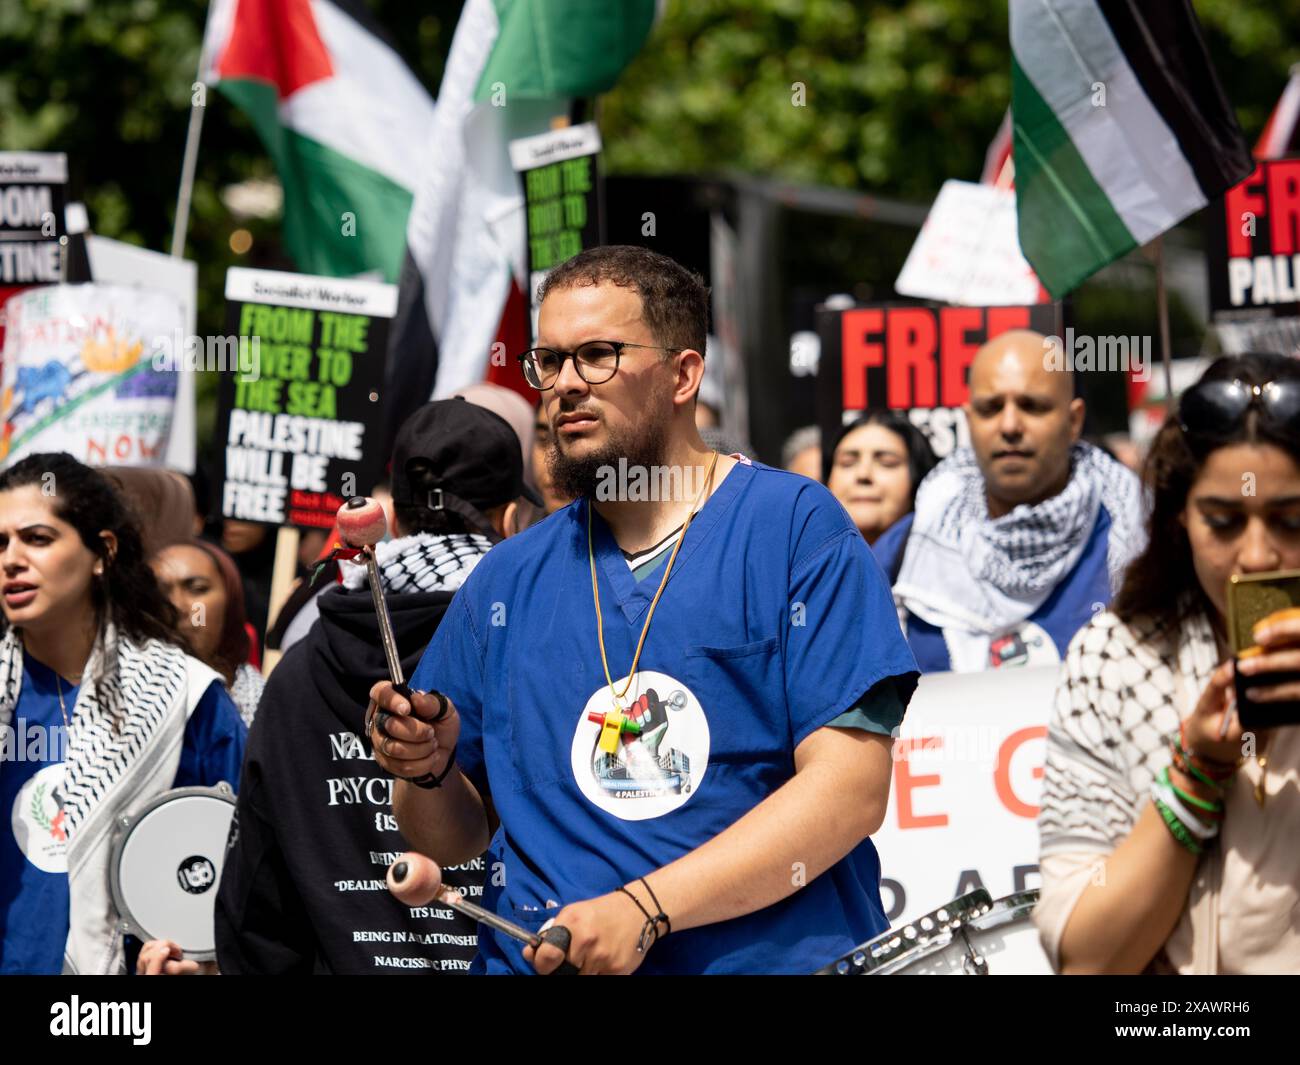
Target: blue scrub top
{"x":34,"y":901}
{"x":775,"y":620}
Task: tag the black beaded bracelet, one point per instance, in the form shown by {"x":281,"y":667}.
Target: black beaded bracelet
{"x":429,"y":781}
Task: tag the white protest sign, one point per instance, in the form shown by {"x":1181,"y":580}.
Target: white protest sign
{"x":78,"y":375}
{"x":115,"y":262}
{"x":968,"y":251}
{"x":968,"y":766}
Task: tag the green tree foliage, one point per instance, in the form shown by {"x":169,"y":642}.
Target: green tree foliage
{"x":898,"y":96}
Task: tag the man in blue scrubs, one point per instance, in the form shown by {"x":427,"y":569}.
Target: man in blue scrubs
{"x":671,"y":701}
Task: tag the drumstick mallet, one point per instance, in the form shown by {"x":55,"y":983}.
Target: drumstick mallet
{"x":362,"y":524}
{"x":413,"y":887}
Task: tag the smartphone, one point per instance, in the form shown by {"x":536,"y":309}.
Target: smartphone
{"x":1252,"y":598}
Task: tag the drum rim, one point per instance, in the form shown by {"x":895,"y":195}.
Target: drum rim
{"x":989,"y":913}
{"x":127,"y":923}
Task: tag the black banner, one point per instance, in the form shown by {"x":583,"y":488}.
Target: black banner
{"x":33,"y":193}
{"x":561,"y":194}
{"x":298,"y":415}
{"x":1253,"y":251}
{"x":913,"y":358}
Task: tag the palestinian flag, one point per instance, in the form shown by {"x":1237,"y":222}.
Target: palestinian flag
{"x":342,"y":117}
{"x":1281,"y":136}
{"x":1121,"y":129}
{"x":514,"y":67}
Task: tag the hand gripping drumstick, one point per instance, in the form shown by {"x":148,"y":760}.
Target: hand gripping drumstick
{"x":417,"y":881}
{"x":362,"y":524}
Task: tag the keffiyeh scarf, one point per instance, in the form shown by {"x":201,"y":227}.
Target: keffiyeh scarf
{"x":424,"y":562}
{"x":974,"y":576}
{"x":123,"y":749}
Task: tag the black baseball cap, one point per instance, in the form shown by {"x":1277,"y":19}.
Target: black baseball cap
{"x":455,"y":455}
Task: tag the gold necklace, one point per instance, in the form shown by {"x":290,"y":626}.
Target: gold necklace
{"x":595,"y":590}
{"x":63,"y":709}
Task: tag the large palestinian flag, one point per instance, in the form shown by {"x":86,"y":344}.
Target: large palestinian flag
{"x":514,"y":66}
{"x":342,"y":117}
{"x":1121,"y":129}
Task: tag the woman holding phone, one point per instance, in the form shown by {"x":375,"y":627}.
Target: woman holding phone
{"x":1167,"y":833}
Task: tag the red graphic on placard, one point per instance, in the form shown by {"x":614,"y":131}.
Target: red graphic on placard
{"x":926,"y":351}
{"x":276,"y":41}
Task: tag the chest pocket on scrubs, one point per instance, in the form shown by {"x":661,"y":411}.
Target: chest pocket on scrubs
{"x":541,"y":732}
{"x":742,"y":691}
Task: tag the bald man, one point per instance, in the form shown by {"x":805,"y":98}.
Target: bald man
{"x":1017,"y":540}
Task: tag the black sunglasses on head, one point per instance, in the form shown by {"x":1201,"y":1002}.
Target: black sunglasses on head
{"x":1216,"y":408}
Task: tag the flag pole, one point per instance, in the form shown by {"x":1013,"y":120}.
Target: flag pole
{"x":1162,"y":312}
{"x":198,"y":103}
{"x":187,"y":179}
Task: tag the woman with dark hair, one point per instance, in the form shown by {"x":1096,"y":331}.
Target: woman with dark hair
{"x":1168,"y":837}
{"x":876,"y":464}
{"x":105,"y":703}
{"x":205,"y":588}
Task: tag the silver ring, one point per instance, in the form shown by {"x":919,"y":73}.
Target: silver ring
{"x":383,"y":747}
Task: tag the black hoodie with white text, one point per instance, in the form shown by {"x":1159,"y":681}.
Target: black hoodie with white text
{"x":303,"y":888}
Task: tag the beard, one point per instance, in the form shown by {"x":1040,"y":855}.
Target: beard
{"x":642,"y":444}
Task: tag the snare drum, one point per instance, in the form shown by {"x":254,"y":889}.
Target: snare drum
{"x":971,"y":936}
{"x":166,"y":865}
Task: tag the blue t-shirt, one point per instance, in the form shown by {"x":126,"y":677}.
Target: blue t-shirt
{"x":1071,"y":605}
{"x":34,"y":898}
{"x":774,"y":621}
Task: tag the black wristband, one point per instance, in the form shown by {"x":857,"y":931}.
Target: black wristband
{"x":429,"y":781}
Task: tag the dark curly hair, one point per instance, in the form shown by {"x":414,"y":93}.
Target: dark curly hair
{"x":1161,"y":583}
{"x":674,"y":300}
{"x":128,"y":593}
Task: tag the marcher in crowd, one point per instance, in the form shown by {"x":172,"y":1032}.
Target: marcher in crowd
{"x":802,"y":452}
{"x":457,"y":481}
{"x":876,"y":465}
{"x":201,"y":581}
{"x":90,"y":659}
{"x":1018,"y":539}
{"x":1168,"y":835}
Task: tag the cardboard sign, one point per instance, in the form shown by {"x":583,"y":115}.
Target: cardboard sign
{"x":561,"y":196}
{"x":299,"y":415}
{"x":32,"y":198}
{"x":1254,"y":244}
{"x":78,"y":374}
{"x":968,"y":251}
{"x":963,"y":806}
{"x":910,"y":358}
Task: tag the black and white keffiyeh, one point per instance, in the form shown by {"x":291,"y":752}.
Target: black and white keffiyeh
{"x":972,"y":575}
{"x":124,"y":748}
{"x":424,"y":562}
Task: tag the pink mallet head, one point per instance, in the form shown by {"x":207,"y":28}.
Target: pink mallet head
{"x":362,"y":522}
{"x":414,"y":879}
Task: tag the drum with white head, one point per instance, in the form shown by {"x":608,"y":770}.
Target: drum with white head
{"x":166,"y":864}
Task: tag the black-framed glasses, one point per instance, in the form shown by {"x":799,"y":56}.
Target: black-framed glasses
{"x":1216,"y":408}
{"x":596,"y":361}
